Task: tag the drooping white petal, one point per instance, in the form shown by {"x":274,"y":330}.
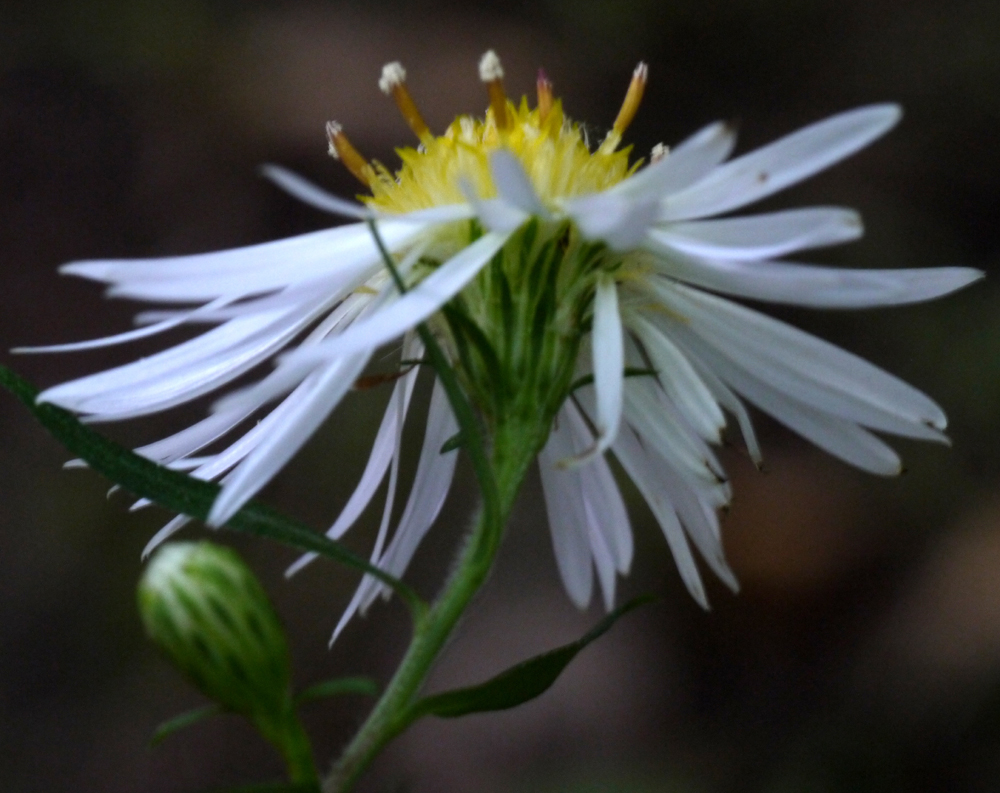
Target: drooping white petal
{"x":384,"y":450}
{"x":728,"y":400}
{"x":165,"y":534}
{"x":608,"y":348}
{"x":327,"y":388}
{"x":680,"y":381}
{"x":640,"y":468}
{"x":866,"y":393}
{"x":435,"y":470}
{"x":780,"y":164}
{"x":197,"y":436}
{"x":430,"y":488}
{"x":660,"y":423}
{"x":513,"y":184}
{"x":697,"y":512}
{"x":564,"y":504}
{"x":761,"y":236}
{"x":410,"y":309}
{"x":685,"y":165}
{"x":606,"y":511}
{"x":840,"y":437}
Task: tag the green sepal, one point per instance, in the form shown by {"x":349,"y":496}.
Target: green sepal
{"x":364,"y":686}
{"x":521,"y":683}
{"x":181,"y":493}
{"x":182,"y":720}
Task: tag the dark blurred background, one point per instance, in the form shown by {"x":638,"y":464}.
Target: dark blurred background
{"x":863,"y":653}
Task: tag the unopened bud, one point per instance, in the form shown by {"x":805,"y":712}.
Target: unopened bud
{"x":203,"y":606}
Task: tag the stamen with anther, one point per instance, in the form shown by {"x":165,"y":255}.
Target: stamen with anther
{"x":393,"y":83}
{"x":633,"y":97}
{"x":658,"y":153}
{"x":342,"y":149}
{"x":544,"y":96}
{"x":491,"y":73}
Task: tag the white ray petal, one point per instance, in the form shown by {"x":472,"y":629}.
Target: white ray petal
{"x":680,"y":381}
{"x":565,"y":507}
{"x":165,"y":534}
{"x":180,"y":318}
{"x":661,"y":425}
{"x":643,"y":473}
{"x":430,"y":488}
{"x":697,"y":513}
{"x":686,"y":164}
{"x":811,"y":285}
{"x":327,"y":388}
{"x":728,"y":400}
{"x":369,"y":584}
{"x":384,"y":450}
{"x":617,"y":220}
{"x":347,"y":252}
{"x":606,"y":512}
{"x":782,"y":163}
{"x":412,"y":308}
{"x":308,"y":193}
{"x":195,"y":437}
{"x":840,"y":437}
{"x":513,"y":184}
{"x":608,"y":348}
{"x":762,"y":236}
{"x":740,"y":331}
{"x":495,"y":214}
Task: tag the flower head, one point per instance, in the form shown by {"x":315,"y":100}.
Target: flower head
{"x":583,"y":299}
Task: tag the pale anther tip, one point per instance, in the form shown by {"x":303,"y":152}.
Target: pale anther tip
{"x":489,"y":67}
{"x":393,"y":74}
{"x":641,"y":71}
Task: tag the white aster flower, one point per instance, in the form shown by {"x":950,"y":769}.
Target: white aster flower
{"x":581,"y":298}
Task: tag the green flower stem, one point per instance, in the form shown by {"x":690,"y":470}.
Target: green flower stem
{"x":394,"y":711}
{"x":500,"y":473}
{"x":296,"y":749}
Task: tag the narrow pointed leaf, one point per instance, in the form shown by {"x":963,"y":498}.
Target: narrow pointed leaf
{"x":520,"y":683}
{"x":183,"y":720}
{"x":334,"y":688}
{"x":181,"y":493}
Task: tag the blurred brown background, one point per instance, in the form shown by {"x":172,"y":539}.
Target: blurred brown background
{"x":864,"y":651}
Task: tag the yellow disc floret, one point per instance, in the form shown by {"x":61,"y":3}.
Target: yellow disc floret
{"x":552,"y":150}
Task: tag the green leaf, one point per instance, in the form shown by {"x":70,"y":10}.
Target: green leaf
{"x":171,"y":726}
{"x":182,"y":493}
{"x":333,"y":688}
{"x":520,"y":683}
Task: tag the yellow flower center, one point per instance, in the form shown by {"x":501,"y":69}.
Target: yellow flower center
{"x":553,"y":150}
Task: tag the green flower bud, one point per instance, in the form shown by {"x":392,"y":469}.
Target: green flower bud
{"x":203,"y":606}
